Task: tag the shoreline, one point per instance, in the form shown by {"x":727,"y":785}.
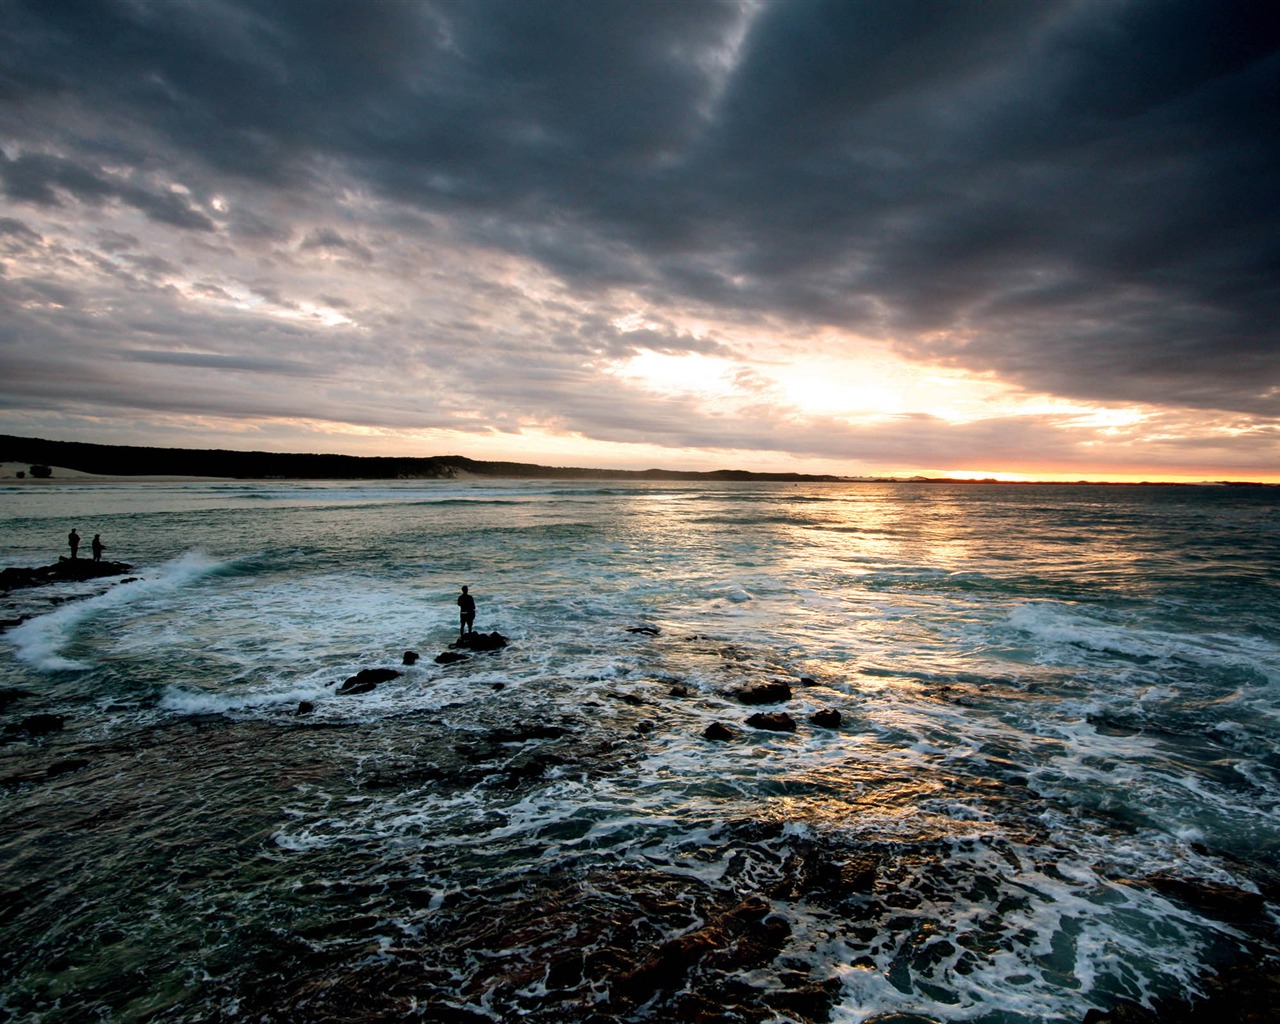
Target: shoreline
{"x":63,"y":475}
{"x":684,"y":975}
{"x":118,"y":463}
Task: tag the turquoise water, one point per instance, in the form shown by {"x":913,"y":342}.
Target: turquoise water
{"x":1050,"y":697}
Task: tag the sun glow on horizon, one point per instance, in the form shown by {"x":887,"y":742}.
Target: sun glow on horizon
{"x":861,"y":386}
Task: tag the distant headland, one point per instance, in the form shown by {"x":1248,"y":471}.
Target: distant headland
{"x":129,"y":461}
{"x":38,"y":455}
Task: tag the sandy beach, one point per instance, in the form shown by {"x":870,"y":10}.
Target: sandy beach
{"x":20,"y":473}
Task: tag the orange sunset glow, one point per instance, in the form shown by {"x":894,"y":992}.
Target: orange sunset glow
{"x":725,"y":248}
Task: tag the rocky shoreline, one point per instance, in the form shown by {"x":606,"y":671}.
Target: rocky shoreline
{"x":748,"y":934}
{"x":568,"y":949}
{"x":64,"y":570}
{"x":574,"y":950}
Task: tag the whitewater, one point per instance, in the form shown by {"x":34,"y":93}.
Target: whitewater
{"x":1051,"y":786}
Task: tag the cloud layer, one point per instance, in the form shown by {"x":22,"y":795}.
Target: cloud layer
{"x":466,"y":217}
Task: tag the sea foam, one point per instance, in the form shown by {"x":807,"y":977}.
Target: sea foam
{"x":40,"y":641}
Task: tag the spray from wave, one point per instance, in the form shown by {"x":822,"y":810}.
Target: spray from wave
{"x":40,"y":642}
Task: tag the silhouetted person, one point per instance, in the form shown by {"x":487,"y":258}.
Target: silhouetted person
{"x":73,"y":539}
{"x":97,"y":547}
{"x":466,"y":613}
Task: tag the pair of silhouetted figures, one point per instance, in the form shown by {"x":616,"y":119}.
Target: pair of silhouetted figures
{"x":73,"y":539}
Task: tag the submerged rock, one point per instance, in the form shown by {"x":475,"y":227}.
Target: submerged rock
{"x":494,"y":641}
{"x":449,"y":657}
{"x":646,"y":630}
{"x":530,"y":731}
{"x":827,"y":718}
{"x":366,"y":679}
{"x":62,"y":571}
{"x":775,"y":721}
{"x":34,"y":725}
{"x":41,"y":724}
{"x":775,"y":692}
{"x":1123,"y":1012}
{"x":9,"y":694}
{"x":1223,"y":902}
{"x":305,"y":707}
{"x":66,"y":766}
{"x":410,"y":658}
{"x":718,"y":731}
{"x":1247,"y":992}
{"x":745,"y":936}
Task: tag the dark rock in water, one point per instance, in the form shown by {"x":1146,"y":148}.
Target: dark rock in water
{"x":824,"y":876}
{"x":670,"y":965}
{"x":410,"y":658}
{"x":565,"y":974}
{"x":776,"y":721}
{"x":679,"y":690}
{"x":35,"y":725}
{"x":494,"y":641}
{"x":808,"y":1000}
{"x":808,"y":681}
{"x":366,"y":679}
{"x":1111,"y":727}
{"x":646,"y":630}
{"x":534,"y":731}
{"x":827,"y":718}
{"x":63,"y":571}
{"x":42,"y":724}
{"x":1223,"y":902}
{"x":71,"y":764}
{"x":764,"y":693}
{"x":1122,"y":1013}
{"x":8,"y":694}
{"x":449,"y":657}
{"x":305,"y":707}
{"x":499,"y":686}
{"x":718,"y":731}
{"x":1244,"y":993}
{"x":1247,"y":992}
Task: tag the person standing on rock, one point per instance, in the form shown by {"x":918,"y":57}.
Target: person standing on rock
{"x":73,"y":539}
{"x":97,"y":547}
{"x":466,"y":613}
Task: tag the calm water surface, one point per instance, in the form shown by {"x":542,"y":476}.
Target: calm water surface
{"x":1058,"y":730}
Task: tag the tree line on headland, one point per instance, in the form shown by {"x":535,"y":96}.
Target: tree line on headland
{"x":129,"y":460}
{"x":123,"y":460}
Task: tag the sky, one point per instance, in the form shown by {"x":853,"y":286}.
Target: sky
{"x":1011,"y":239}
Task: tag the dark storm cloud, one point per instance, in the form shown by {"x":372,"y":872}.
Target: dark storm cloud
{"x":214,"y":361}
{"x":1077,"y":196}
{"x":19,"y":230}
{"x":329,"y":240}
{"x":40,"y":179}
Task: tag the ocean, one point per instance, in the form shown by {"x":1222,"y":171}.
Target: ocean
{"x":1050,"y":784}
